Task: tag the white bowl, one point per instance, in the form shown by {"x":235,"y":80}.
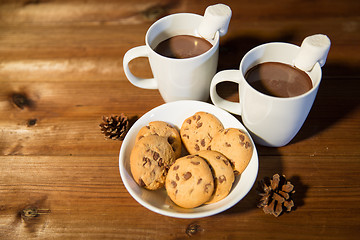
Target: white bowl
{"x":158,"y":201}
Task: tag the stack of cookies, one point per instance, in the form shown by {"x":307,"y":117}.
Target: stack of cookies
{"x":205,"y":173}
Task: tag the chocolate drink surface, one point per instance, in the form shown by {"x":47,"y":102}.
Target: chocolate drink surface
{"x":278,"y":79}
{"x":182,"y":46}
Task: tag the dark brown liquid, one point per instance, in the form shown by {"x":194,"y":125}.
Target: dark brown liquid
{"x":278,"y":79}
{"x":182,"y":46}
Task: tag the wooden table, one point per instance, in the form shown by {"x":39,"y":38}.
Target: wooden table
{"x":61,"y":71}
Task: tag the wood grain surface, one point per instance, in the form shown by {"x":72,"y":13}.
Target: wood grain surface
{"x":61,"y":71}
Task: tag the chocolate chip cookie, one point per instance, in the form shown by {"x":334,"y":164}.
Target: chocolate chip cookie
{"x":150,"y":160}
{"x":222,"y":171}
{"x":235,"y":145}
{"x":198,"y":130}
{"x":189,"y":182}
{"x":162,"y":129}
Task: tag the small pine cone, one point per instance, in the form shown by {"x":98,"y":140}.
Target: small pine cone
{"x":115,"y":127}
{"x":275,"y":195}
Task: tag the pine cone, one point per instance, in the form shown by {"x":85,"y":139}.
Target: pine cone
{"x":275,"y":195}
{"x":115,"y":127}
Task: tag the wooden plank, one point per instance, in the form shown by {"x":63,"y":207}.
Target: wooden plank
{"x":91,"y":187}
{"x":89,"y":12}
{"x":61,"y":71}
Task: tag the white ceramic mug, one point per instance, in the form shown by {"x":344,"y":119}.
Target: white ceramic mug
{"x":272,"y":121}
{"x":176,"y":79}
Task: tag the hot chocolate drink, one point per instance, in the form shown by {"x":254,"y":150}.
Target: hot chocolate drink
{"x":182,"y":46}
{"x":278,"y":79}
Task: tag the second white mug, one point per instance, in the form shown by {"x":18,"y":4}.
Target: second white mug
{"x":272,"y":121}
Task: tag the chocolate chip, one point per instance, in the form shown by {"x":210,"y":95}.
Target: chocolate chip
{"x":176,"y":167}
{"x":202,"y":142}
{"x":207,"y":186}
{"x":173,"y":184}
{"x":198,"y":117}
{"x":187,"y":175}
{"x":186,"y":136}
{"x":197,"y":148}
{"x":177,"y":177}
{"x":188,"y":121}
{"x":208,"y":148}
{"x":199,"y":181}
{"x":226,"y":162}
{"x":222,"y":179}
{"x":227,"y":144}
{"x":247,"y":145}
{"x":195,"y":163}
{"x":156,"y":156}
{"x":199,"y":124}
{"x":146,"y":160}
{"x":227,"y":130}
{"x":141,"y":182}
{"x":171,"y":140}
{"x":148,"y":127}
{"x":242,"y":137}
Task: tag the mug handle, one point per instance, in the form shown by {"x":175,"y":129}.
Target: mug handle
{"x":225,"y":76}
{"x":146,"y":83}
